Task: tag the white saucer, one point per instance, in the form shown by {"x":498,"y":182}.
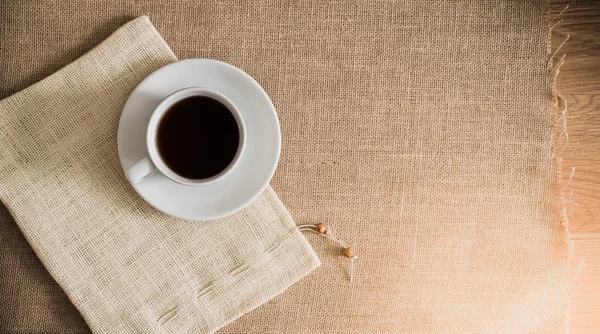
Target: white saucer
{"x":256,"y":165}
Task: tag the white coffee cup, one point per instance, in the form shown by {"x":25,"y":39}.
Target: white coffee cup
{"x":153,"y":162}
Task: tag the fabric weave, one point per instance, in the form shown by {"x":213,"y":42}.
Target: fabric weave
{"x":421,"y":131}
{"x":127,"y":267}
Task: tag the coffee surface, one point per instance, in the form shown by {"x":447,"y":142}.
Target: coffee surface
{"x":198,"y":137}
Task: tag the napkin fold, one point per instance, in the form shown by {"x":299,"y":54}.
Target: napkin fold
{"x":126,"y":266}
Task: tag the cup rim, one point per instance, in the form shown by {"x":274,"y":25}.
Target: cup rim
{"x":157,"y":115}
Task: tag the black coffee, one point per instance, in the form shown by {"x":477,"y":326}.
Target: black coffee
{"x":198,"y":137}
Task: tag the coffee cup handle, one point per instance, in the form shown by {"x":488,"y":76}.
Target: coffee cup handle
{"x":140,"y":170}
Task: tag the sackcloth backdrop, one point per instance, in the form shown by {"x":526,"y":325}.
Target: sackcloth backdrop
{"x":421,"y":131}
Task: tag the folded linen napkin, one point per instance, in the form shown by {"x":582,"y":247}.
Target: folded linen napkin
{"x":126,"y":266}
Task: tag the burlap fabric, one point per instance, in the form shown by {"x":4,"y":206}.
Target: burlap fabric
{"x":420,"y":130}
{"x":127,"y":267}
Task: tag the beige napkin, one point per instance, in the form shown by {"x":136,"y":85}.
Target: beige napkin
{"x":126,"y":266}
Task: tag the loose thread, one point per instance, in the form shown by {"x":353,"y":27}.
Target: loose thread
{"x":327,"y":235}
{"x":565,"y":109}
{"x":559,"y":14}
{"x":573,"y":169}
{"x":555,"y":24}
{"x":556,"y":69}
{"x":560,"y":46}
{"x":564,"y":132}
{"x":565,"y":213}
{"x":324,"y":231}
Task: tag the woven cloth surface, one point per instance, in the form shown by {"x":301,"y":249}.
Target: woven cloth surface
{"x":421,"y":131}
{"x":127,"y":267}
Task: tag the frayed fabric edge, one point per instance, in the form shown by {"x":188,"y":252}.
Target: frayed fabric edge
{"x":562,"y":204}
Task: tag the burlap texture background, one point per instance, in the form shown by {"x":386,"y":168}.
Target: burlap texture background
{"x":127,"y":267}
{"x":421,"y":131}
